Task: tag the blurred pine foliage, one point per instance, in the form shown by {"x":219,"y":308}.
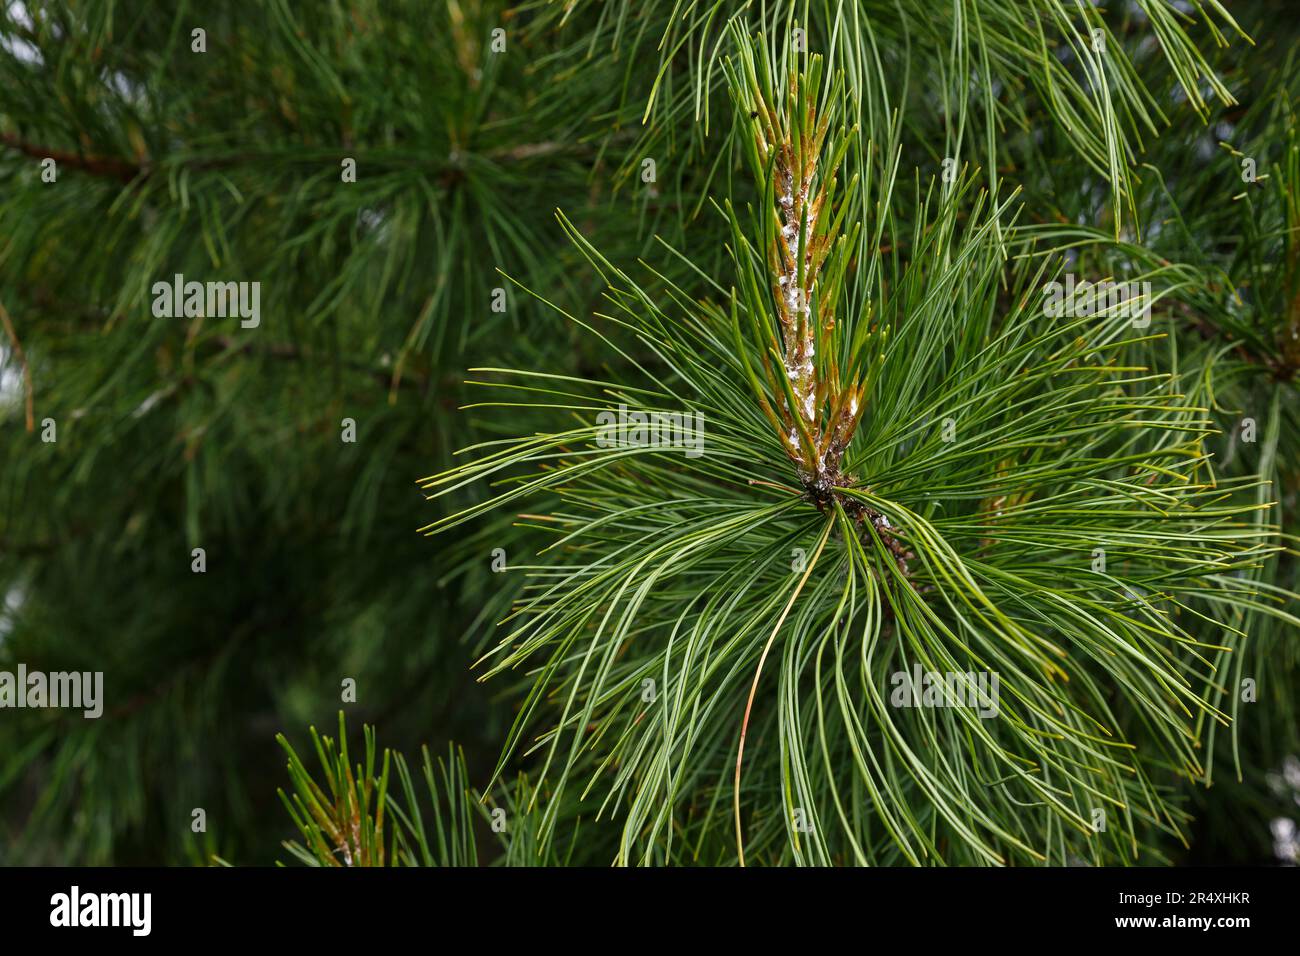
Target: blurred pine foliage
{"x":996,"y":142}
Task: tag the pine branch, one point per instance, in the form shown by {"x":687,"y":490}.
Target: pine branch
{"x":105,"y":166}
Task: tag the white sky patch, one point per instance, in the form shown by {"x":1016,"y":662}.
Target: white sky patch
{"x":126,"y":88}
{"x":373,"y":220}
{"x":11,"y":380}
{"x":20,"y":48}
{"x":12,"y":603}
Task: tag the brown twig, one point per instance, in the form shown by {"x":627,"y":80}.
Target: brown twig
{"x":1283,"y":367}
{"x":106,"y":166}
